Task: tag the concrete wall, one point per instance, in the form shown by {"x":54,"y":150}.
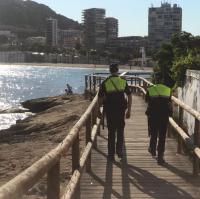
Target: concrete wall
{"x":12,"y":57}
{"x":190,"y":94}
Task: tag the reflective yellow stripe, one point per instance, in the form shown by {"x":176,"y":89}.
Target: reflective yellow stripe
{"x":119,"y":83}
{"x":159,"y":90}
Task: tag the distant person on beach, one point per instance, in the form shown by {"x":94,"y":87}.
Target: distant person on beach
{"x":68,"y":90}
{"x":158,"y":111}
{"x":112,"y":95}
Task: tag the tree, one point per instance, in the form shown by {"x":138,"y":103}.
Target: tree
{"x":164,"y":59}
{"x":3,"y":39}
{"x":173,"y":59}
{"x":180,"y":66}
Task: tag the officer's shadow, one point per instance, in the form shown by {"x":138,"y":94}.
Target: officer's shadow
{"x":153,"y":186}
{"x":143,"y":180}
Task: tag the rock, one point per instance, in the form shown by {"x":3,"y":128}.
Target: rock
{"x":14,"y":110}
{"x":41,"y":104}
{"x":53,"y":115}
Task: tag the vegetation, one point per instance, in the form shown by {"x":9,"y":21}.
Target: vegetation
{"x":173,"y":59}
{"x":28,"y":18}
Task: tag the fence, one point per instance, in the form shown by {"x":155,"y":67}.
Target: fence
{"x":50,"y":163}
{"x":193,"y":144}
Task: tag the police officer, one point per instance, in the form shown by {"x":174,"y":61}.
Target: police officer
{"x":158,"y":111}
{"x":112,"y":94}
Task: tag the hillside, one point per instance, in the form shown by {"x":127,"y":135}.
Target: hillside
{"x":29,"y":18}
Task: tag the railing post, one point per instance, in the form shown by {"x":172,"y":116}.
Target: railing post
{"x":103,"y":118}
{"x":90,"y":83}
{"x":75,"y":162}
{"x":144,"y":85}
{"x":88,"y":139}
{"x":94,"y":84}
{"x":196,"y":162}
{"x":94,"y":119}
{"x":53,"y":182}
{"x":169,"y":131}
{"x":86,"y":82}
{"x":180,"y":142}
{"x":136,"y":80}
{"x":139,"y":82}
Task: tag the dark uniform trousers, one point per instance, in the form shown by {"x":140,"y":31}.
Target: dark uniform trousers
{"x":158,"y":129}
{"x":115,"y":124}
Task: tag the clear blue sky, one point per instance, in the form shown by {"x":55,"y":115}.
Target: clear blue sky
{"x":132,"y":14}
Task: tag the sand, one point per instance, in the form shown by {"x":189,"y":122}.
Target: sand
{"x":30,"y":139}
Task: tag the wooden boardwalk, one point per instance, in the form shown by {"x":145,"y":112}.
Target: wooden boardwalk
{"x":138,"y":175}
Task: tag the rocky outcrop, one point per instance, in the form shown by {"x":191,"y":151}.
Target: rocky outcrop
{"x":42,"y":104}
{"x":53,"y":114}
{"x":31,"y":138}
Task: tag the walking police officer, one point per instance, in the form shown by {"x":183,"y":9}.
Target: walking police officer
{"x":112,"y":94}
{"x":158,"y":111}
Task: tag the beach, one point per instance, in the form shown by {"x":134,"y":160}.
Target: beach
{"x":30,"y":139}
{"x":91,"y":66}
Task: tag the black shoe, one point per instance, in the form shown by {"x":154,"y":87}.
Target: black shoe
{"x":161,"y":160}
{"x":153,"y":153}
{"x":120,"y":155}
{"x":111,"y":157}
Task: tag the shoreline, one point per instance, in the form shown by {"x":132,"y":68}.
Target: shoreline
{"x":30,"y":139}
{"x":83,"y":66}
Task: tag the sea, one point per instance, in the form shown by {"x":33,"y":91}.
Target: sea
{"x":19,"y":83}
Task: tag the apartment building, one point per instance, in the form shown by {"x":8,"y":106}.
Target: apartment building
{"x":94,"y":28}
{"x":52,"y":32}
{"x":70,"y":38}
{"x":111,"y":28}
{"x":162,"y":23}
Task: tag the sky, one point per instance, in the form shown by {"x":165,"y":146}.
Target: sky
{"x":131,"y":14}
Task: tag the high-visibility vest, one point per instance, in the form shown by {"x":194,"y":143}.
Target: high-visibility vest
{"x":159,"y":90}
{"x":115,"y":84}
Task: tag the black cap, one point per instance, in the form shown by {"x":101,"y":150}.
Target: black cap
{"x":157,"y":76}
{"x":114,"y":68}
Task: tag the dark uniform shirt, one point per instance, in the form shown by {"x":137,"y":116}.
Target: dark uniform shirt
{"x":159,"y":106}
{"x":114,"y":100}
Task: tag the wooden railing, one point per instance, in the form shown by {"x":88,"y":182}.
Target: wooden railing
{"x":140,"y":84}
{"x":50,"y":163}
{"x":193,"y":144}
{"x":93,"y":81}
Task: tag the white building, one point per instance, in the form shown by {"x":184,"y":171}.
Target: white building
{"x":52,"y":32}
{"x":163,"y":22}
{"x":36,"y":40}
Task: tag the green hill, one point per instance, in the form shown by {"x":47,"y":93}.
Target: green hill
{"x":29,"y":18}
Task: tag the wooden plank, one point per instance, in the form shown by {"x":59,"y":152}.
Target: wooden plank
{"x":139,"y":175}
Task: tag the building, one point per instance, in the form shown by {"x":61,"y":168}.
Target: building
{"x":70,"y":38}
{"x":111,"y":28}
{"x":52,"y":32}
{"x":36,"y":40}
{"x":94,"y":28}
{"x":132,"y":43}
{"x":163,"y":22}
{"x":8,"y":38}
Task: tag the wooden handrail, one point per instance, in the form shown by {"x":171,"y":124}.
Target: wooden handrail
{"x":19,"y":185}
{"x":193,"y":146}
{"x":71,"y":188}
{"x":50,"y":163}
{"x":187,"y":108}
